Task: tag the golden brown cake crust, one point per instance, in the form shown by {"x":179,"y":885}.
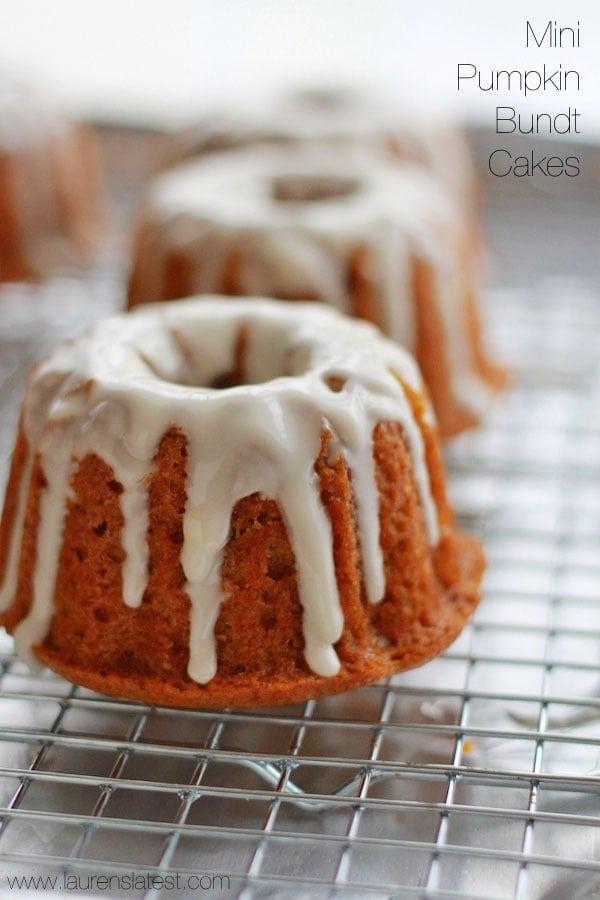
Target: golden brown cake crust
{"x":97,"y":641}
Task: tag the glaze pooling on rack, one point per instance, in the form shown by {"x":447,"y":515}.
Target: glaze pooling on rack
{"x":117,"y":391}
{"x":288,"y":222}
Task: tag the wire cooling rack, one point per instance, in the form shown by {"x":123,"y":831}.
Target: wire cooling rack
{"x":477,"y":775}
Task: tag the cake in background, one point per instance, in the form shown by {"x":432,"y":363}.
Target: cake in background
{"x":51,"y":209}
{"x":379,"y":239}
{"x":231,"y":503}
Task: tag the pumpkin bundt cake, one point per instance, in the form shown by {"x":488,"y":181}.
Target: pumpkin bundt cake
{"x":50,"y":207}
{"x":379,"y":241}
{"x":231,"y":503}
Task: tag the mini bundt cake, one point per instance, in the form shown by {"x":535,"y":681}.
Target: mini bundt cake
{"x":230,"y":503}
{"x":378,"y":241}
{"x":50,"y":197}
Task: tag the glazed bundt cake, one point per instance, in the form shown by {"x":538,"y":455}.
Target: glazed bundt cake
{"x":230,"y":503}
{"x":379,"y":241}
{"x":50,"y":198}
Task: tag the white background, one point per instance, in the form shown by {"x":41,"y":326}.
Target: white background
{"x":159,"y":60}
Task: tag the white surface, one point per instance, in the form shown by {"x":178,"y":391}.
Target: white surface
{"x":158,"y":60}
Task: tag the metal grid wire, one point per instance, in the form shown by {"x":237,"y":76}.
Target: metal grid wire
{"x":477,"y":775}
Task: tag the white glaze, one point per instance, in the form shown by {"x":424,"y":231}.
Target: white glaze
{"x":340,"y":116}
{"x":118,"y":390}
{"x":210,"y":207}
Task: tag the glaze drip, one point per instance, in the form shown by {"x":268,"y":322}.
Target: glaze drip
{"x":118,"y":390}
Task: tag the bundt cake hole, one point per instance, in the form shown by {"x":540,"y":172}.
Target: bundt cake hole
{"x":312,"y":188}
{"x":335,"y":383}
{"x":236,"y":376}
{"x":227,"y":380}
{"x":326,"y":99}
{"x":185,"y":376}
